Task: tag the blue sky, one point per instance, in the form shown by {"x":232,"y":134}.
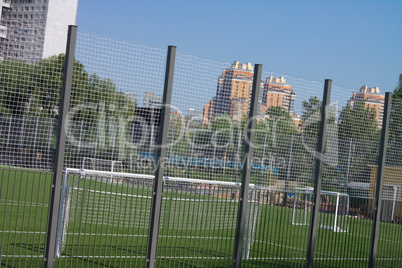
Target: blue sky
{"x":352,"y":42}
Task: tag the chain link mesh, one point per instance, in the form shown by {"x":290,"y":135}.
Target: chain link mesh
{"x":113,"y":124}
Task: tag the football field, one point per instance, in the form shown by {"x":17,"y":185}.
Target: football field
{"x":105,"y":221}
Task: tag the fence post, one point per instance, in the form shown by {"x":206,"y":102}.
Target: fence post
{"x":245,"y":181}
{"x":285,"y":194}
{"x":10,"y":121}
{"x":319,"y":164}
{"x":380,"y":179}
{"x":162,"y":144}
{"x":50,"y":246}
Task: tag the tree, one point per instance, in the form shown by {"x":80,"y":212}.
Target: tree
{"x":398,"y":89}
{"x":395,"y":128}
{"x":310,"y":117}
{"x":358,"y":140}
{"x":282,"y":120}
{"x":394,"y":155}
{"x":47,"y":80}
{"x":292,"y":159}
{"x":222,"y":136}
{"x":358,"y":122}
{"x":97,"y":108}
{"x":15,"y":87}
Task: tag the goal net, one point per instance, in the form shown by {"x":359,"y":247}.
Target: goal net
{"x":256,"y":195}
{"x":334,"y":206}
{"x":95,"y":209}
{"x":93,"y":205}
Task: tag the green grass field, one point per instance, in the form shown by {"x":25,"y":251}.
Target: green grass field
{"x":107,"y":224}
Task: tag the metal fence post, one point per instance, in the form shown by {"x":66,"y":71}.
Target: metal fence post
{"x":380,"y":179}
{"x":50,"y":246}
{"x":319,"y":164}
{"x":241,"y":214}
{"x":162,"y":147}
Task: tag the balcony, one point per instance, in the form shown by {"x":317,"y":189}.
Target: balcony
{"x":3,"y":31}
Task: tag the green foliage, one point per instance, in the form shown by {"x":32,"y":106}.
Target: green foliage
{"x":35,"y":90}
{"x":310,"y":107}
{"x":278,"y":144}
{"x":358,"y":140}
{"x":311,"y":116}
{"x":358,"y":122}
{"x":282,"y":120}
{"x":47,"y":80}
{"x":394,"y":154}
{"x":16,"y":86}
{"x":398,"y":89}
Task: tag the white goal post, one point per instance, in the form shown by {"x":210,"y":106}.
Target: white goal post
{"x":80,"y":182}
{"x":89,"y":163}
{"x":334,"y":206}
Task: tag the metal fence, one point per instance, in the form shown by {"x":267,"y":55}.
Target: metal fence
{"x":118,"y":154}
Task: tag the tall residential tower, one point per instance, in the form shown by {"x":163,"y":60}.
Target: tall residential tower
{"x":31,"y":30}
{"x":372,"y":98}
{"x":277,"y":93}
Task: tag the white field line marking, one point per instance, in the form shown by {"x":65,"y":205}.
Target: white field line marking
{"x":381,"y":239}
{"x":278,"y":245}
{"x":16,"y":202}
{"x":200,"y":257}
{"x":163,"y":236}
{"x":150,"y":197}
{"x":22,"y":256}
{"x":324,"y":259}
{"x":21,"y":232}
{"x":298,"y":249}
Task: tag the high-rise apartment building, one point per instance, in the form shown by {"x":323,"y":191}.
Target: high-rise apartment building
{"x":208,"y":111}
{"x":4,"y":5}
{"x":234,"y":91}
{"x":275,"y":93}
{"x":372,"y":98}
{"x":35,"y":29}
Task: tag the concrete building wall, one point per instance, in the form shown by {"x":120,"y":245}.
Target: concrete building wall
{"x":61,"y":13}
{"x":4,"y":4}
{"x":36,"y":29}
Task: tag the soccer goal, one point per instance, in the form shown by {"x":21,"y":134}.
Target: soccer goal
{"x":89,"y":163}
{"x":96,"y":210}
{"x":91,"y":200}
{"x":254,"y":211}
{"x":334,"y":208}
